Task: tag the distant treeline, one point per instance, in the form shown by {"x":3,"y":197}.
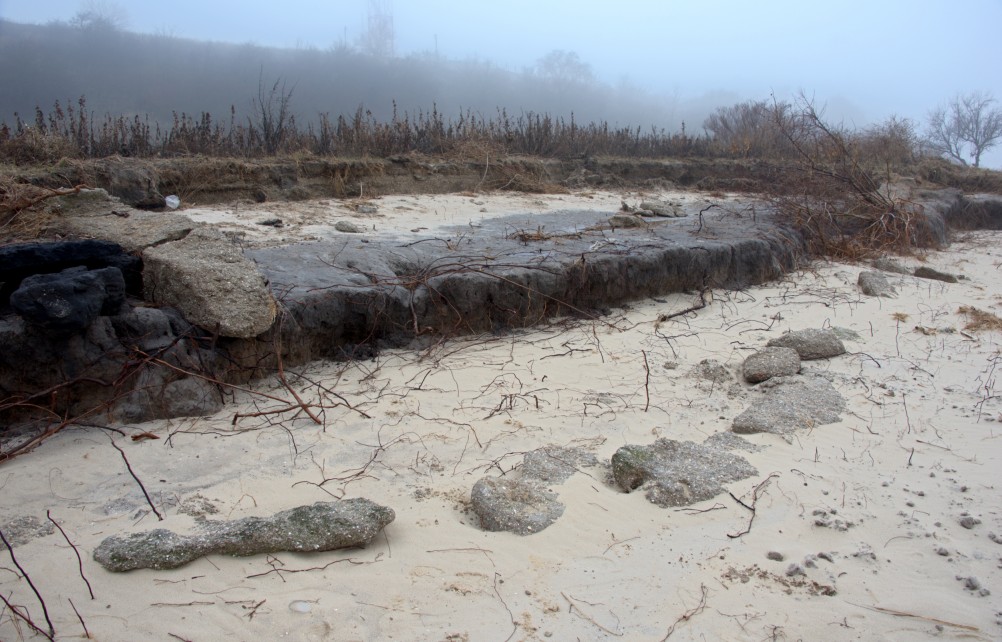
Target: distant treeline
{"x":129,"y":74}
{"x":167,"y":96}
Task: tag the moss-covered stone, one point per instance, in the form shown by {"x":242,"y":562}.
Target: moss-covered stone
{"x":678,"y":473}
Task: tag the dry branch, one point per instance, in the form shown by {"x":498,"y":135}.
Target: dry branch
{"x":138,"y":481}
{"x":45,"y":611}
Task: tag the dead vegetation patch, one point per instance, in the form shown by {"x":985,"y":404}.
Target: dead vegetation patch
{"x":833,"y":194}
{"x":979,"y":319}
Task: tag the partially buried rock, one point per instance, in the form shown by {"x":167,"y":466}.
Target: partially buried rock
{"x":626,"y":220}
{"x":889,"y":265}
{"x":555,"y":464}
{"x":810,"y":343}
{"x":771,"y":362}
{"x":520,"y":506}
{"x":929,"y":273}
{"x":874,"y":284}
{"x":324,"y":526}
{"x":209,"y":280}
{"x":678,"y":473}
{"x":348,"y":227}
{"x":791,"y":403}
{"x":71,"y":300}
{"x":661,"y":208}
{"x":711,"y":370}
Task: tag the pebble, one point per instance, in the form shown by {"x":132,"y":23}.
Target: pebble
{"x":775,"y":556}
{"x":971,"y":583}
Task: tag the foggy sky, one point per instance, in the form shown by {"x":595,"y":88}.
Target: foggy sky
{"x":864,"y":59}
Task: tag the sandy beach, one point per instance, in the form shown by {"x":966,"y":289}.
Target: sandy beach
{"x":885,"y":525}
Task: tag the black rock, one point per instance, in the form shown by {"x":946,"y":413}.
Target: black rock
{"x":71,"y":300}
{"x":19,"y":261}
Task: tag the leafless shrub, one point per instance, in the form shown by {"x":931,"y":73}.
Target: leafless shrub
{"x":274,"y":119}
{"x":893,"y":143}
{"x":749,"y":129}
{"x":833,"y":194}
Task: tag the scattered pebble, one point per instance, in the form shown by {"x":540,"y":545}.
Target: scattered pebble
{"x":795,"y":569}
{"x":971,"y":583}
{"x":776,"y":556}
{"x":969,"y":522}
{"x":942,"y":551}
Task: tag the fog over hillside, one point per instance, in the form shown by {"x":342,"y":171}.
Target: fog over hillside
{"x":630,"y":63}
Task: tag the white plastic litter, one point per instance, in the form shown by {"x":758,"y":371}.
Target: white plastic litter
{"x":300,"y":606}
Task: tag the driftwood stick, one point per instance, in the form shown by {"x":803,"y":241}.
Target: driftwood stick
{"x":138,"y":481}
{"x":27,"y":578}
{"x":77,"y":552}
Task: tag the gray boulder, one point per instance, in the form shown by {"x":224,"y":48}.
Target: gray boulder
{"x":678,"y":473}
{"x":873,"y":283}
{"x":520,"y":506}
{"x":810,"y":343}
{"x":791,"y":403}
{"x":95,"y":214}
{"x":770,"y":362}
{"x":135,"y":233}
{"x":324,"y":526}
{"x":209,"y":280}
{"x":71,"y":300}
{"x":525,"y":506}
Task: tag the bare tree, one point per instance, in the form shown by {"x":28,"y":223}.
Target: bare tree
{"x":100,"y":15}
{"x":564,"y":66}
{"x":966,"y":127}
{"x":379,"y":37}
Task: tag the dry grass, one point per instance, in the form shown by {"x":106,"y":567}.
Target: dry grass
{"x":68,"y":132}
{"x":23,"y":214}
{"x":969,"y":179}
{"x":979,"y":319}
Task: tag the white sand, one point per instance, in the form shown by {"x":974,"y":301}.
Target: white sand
{"x":918,"y":448}
{"x":426,"y":214}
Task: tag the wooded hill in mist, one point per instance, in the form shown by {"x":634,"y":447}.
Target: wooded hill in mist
{"x":126,"y":74}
